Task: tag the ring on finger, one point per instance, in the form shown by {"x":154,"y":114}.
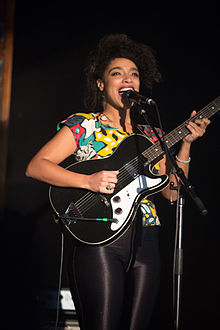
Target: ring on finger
{"x":109,"y":187}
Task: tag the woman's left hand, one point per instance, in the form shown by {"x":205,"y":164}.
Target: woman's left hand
{"x":197,"y":128}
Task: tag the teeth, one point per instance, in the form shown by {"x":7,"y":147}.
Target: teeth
{"x":126,"y":89}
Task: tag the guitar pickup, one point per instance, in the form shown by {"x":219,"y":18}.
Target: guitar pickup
{"x":132,"y":170}
{"x":142,"y":160}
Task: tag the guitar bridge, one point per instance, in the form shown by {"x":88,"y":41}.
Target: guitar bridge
{"x":104,"y":200}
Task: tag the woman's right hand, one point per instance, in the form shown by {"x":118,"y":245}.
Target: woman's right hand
{"x":44,"y":166}
{"x":103,"y":181}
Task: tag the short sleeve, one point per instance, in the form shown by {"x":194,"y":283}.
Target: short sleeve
{"x":74,"y":122}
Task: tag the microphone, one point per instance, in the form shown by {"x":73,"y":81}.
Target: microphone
{"x":134,"y":96}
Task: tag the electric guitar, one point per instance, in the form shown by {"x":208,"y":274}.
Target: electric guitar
{"x":99,"y":219}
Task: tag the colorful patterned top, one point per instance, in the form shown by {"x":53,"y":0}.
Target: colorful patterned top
{"x":96,"y":139}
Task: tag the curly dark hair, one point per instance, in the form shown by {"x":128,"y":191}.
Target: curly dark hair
{"x":115,"y":46}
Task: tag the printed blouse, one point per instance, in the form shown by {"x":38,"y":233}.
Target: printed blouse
{"x":96,"y":139}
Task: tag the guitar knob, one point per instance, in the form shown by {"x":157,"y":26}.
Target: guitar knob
{"x":116,"y":199}
{"x":118,"y":211}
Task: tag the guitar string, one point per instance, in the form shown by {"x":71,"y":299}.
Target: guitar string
{"x":90,"y":198}
{"x":89,"y":201}
{"x":123,"y":175}
{"x":150,"y":152}
{"x":85,"y":198}
{"x":170,"y":137}
{"x":180,"y":132}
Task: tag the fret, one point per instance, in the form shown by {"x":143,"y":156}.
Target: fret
{"x":155,"y":151}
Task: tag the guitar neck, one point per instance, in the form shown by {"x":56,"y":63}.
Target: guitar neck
{"x":156,"y":151}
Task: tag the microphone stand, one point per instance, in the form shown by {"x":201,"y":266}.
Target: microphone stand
{"x":178,"y":256}
{"x":183,"y":183}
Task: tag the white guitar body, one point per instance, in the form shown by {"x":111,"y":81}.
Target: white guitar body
{"x":122,"y":202}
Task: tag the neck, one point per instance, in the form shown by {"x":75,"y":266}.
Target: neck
{"x":121,"y":116}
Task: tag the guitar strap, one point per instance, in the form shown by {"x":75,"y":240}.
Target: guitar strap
{"x":137,"y":128}
{"x":140,"y":128}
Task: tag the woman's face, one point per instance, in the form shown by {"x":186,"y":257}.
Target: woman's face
{"x":120,"y":75}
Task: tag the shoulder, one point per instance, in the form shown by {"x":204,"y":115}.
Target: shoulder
{"x":78,"y":119}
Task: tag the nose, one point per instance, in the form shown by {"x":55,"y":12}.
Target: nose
{"x":127,"y":78}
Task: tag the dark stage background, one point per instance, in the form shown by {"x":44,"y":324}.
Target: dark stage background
{"x":52,"y":42}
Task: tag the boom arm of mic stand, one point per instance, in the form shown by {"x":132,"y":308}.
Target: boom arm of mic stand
{"x":176,"y":169}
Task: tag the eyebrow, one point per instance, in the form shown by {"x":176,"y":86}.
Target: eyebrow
{"x":121,"y":68}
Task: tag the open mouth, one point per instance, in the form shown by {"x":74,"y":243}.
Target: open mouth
{"x":124,"y":89}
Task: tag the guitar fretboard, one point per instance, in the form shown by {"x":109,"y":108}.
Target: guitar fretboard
{"x":155,"y":151}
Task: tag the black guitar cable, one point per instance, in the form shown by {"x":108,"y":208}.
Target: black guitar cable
{"x":175,"y":245}
{"x":60,"y":280}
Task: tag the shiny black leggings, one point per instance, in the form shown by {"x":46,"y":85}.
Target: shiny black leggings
{"x":115,"y":287}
